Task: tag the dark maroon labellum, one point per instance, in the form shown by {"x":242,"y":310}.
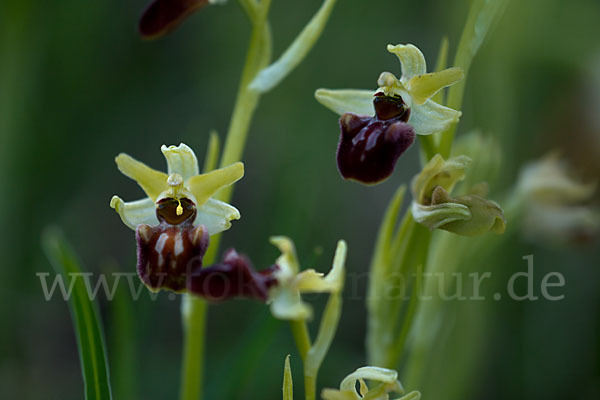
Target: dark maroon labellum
{"x":162,"y":16}
{"x":170,"y":257}
{"x":369,"y":147}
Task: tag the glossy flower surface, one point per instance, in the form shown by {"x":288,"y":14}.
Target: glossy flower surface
{"x":284,"y":295}
{"x":369,"y":147}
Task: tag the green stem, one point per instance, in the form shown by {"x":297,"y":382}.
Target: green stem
{"x":194,"y":309}
{"x":301,"y":336}
{"x":310,"y":387}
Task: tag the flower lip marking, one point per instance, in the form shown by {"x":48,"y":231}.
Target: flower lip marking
{"x":176,"y":211}
{"x":389,"y":107}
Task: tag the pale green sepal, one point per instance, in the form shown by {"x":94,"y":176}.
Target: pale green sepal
{"x":180,"y":160}
{"x":288,"y":384}
{"x":343,"y":101}
{"x":431,"y":117}
{"x":216,"y":216}
{"x":269,"y":77}
{"x":378,"y":374}
{"x":135,"y":213}
{"x":434,"y":217}
{"x":411,"y":58}
{"x":151,"y":181}
{"x":438,"y":172}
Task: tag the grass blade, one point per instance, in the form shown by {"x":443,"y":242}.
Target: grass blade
{"x":86,"y":320}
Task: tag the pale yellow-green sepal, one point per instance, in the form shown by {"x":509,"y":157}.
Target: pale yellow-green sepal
{"x":181,"y":160}
{"x":423,"y":87}
{"x":411,"y":58}
{"x":206,"y":185}
{"x":343,"y":101}
{"x":431,"y":117}
{"x":288,"y":384}
{"x":414,"y":395}
{"x":216,"y":216}
{"x":151,"y":181}
{"x":434,"y":217}
{"x":287,"y":304}
{"x":135,"y":213}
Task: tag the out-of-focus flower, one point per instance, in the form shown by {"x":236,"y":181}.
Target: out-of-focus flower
{"x":378,"y":126}
{"x":162,"y":16}
{"x":284,"y":295}
{"x":387,"y":382}
{"x":468,"y":215}
{"x":555,"y":203}
{"x":174,"y":221}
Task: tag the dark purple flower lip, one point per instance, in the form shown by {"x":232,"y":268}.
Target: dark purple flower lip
{"x":170,"y":257}
{"x":369,"y":147}
{"x":162,"y":16}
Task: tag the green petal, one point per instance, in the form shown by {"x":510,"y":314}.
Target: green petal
{"x":151,"y":181}
{"x":343,"y":101}
{"x":181,"y":160}
{"x":430,"y":117}
{"x":206,"y":185}
{"x":411,"y":58}
{"x":216,"y":216}
{"x":310,"y":281}
{"x":423,"y":87}
{"x":135,"y":213}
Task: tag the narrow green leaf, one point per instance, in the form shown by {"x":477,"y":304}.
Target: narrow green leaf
{"x":269,"y":77}
{"x":288,"y":384}
{"x":482,"y":15}
{"x":86,"y":320}
{"x":211,"y":159}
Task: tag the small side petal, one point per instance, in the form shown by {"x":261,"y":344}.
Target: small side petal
{"x":216,"y":216}
{"x":431,"y":117}
{"x":423,"y":87}
{"x":135,"y":213}
{"x":287,"y":261}
{"x":411,"y":58}
{"x":343,"y":101}
{"x":181,"y":160}
{"x":206,"y":185}
{"x":153,"y":182}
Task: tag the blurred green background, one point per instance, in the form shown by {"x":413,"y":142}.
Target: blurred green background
{"x":78,"y":86}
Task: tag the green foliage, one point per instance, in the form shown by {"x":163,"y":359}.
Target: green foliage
{"x":86,"y":319}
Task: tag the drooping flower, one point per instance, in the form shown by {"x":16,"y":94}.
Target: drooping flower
{"x":468,"y":215}
{"x":556,"y":204}
{"x":162,"y":16}
{"x":284,"y":294}
{"x":378,"y":126}
{"x":354,"y":387}
{"x":174,"y":222}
